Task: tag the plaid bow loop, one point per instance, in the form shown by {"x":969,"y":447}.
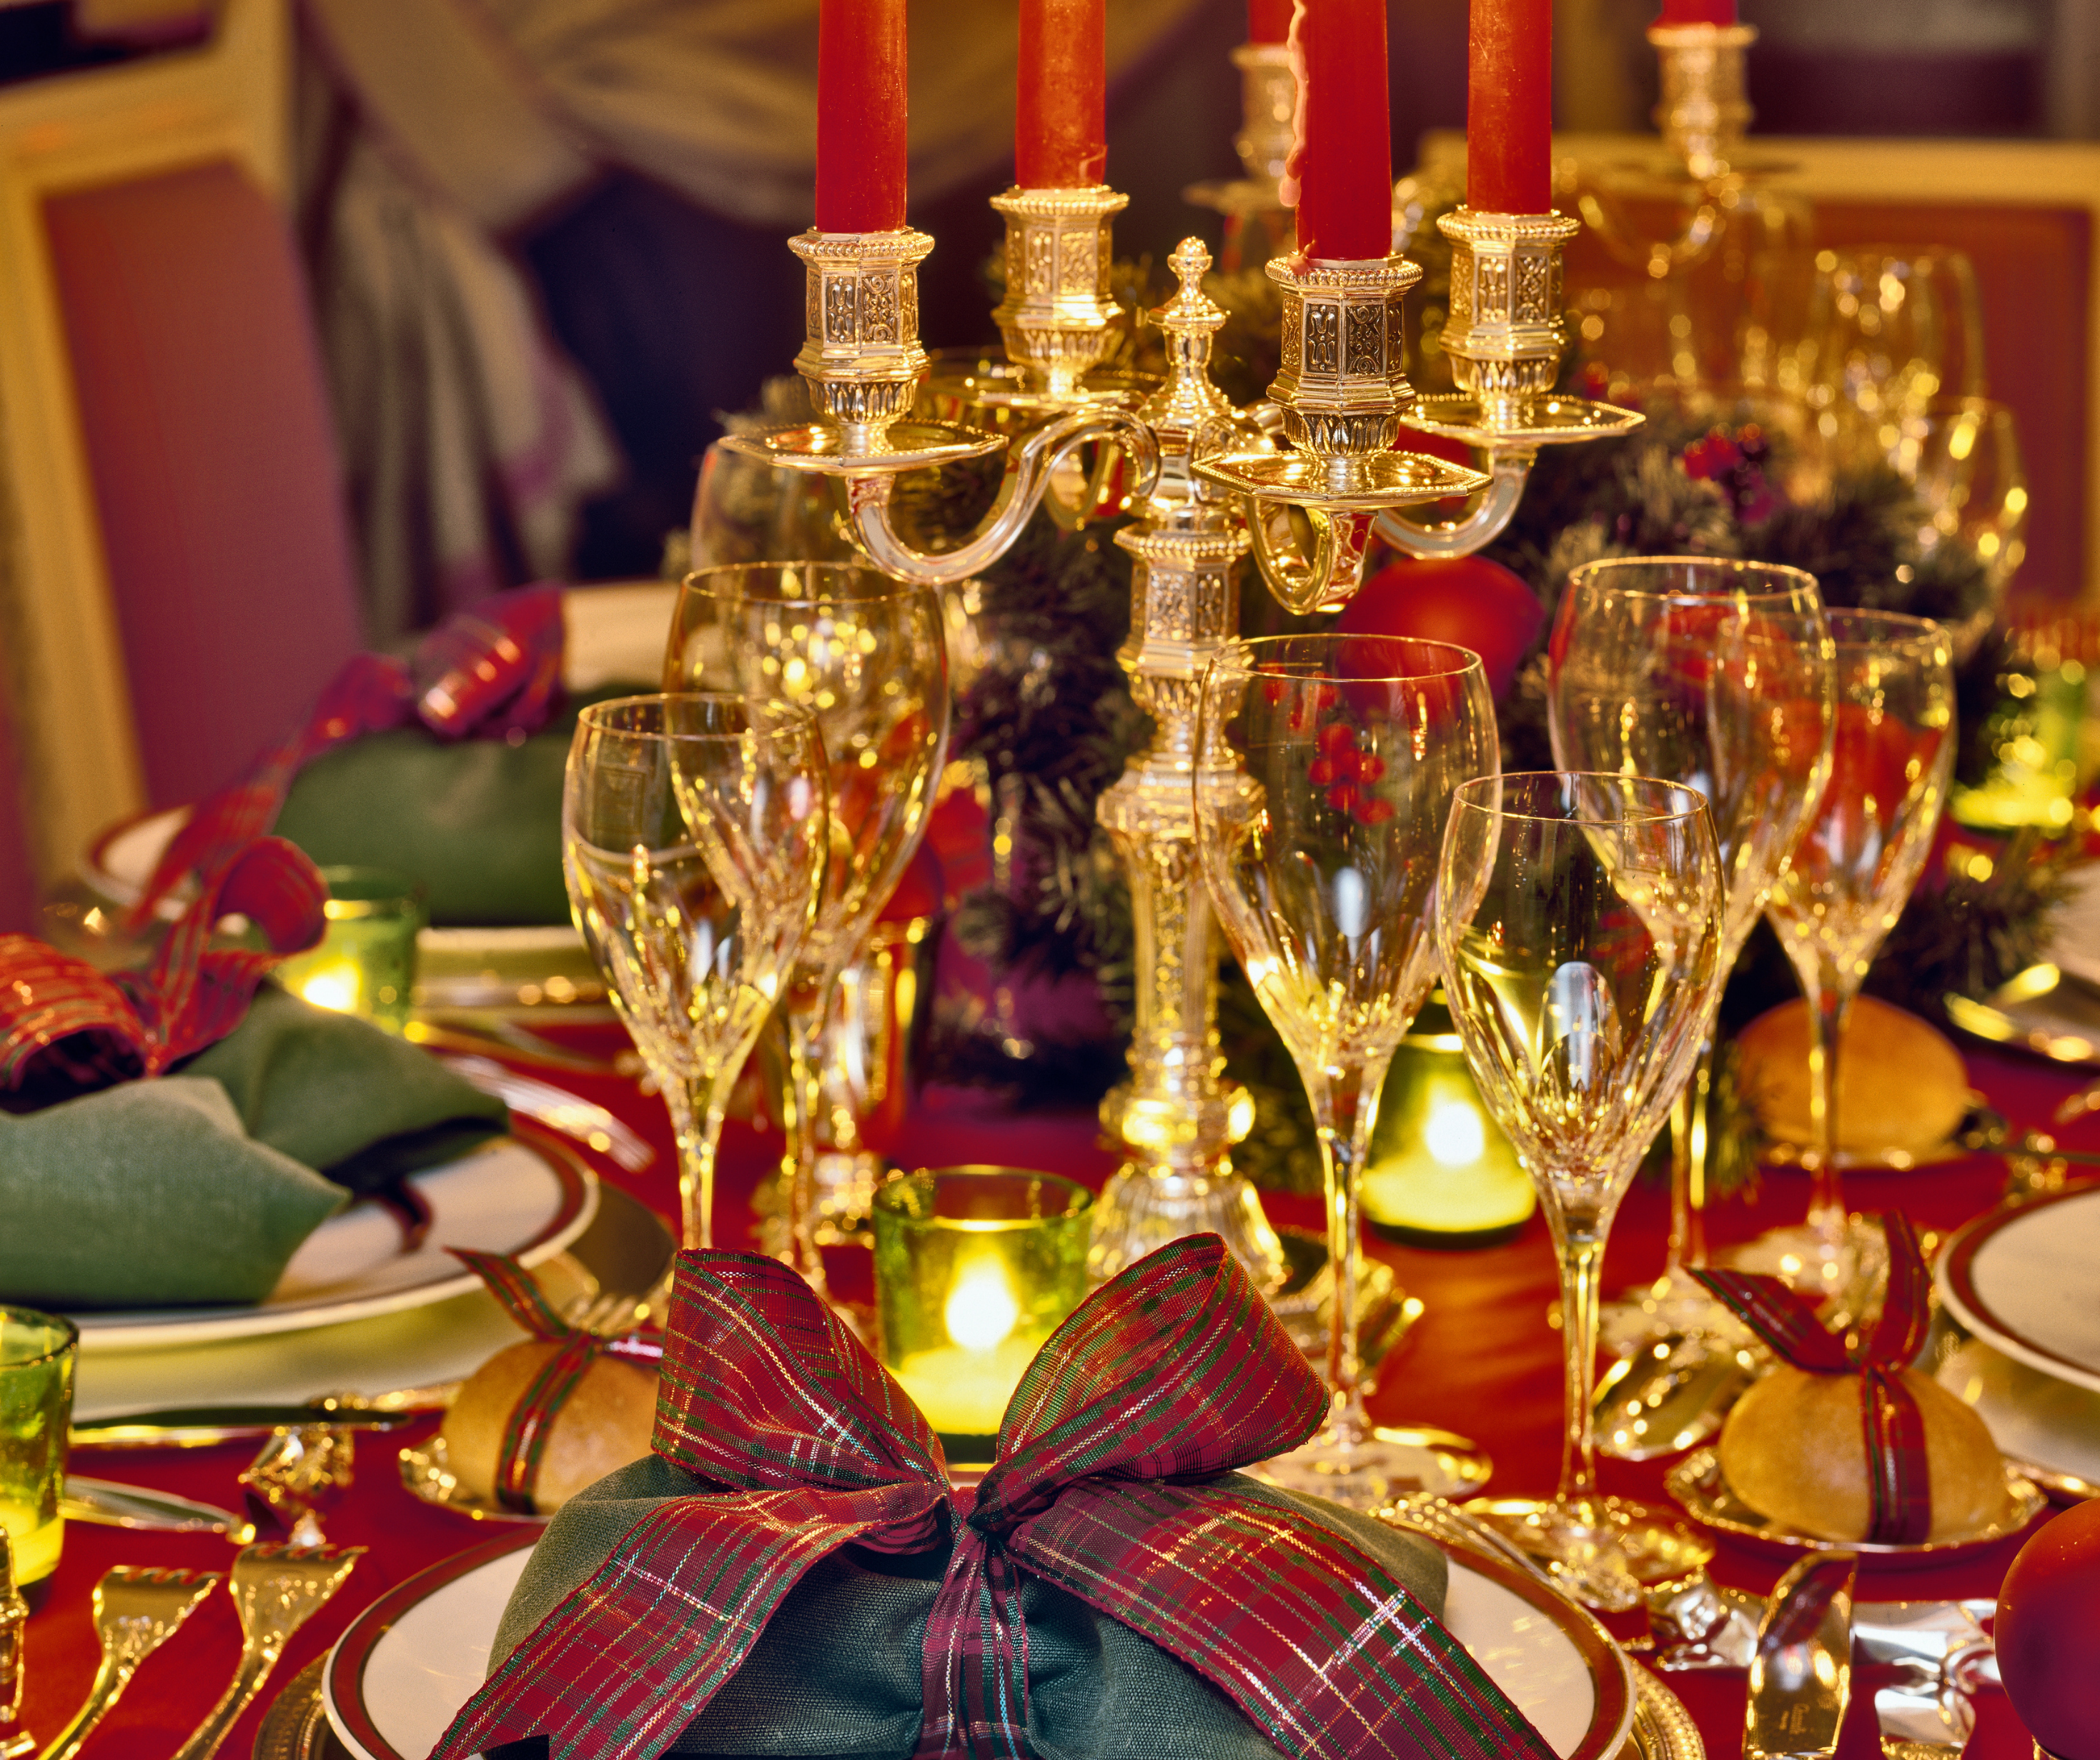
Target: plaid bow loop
{"x":1110,"y":1484}
{"x":1901,"y":1492}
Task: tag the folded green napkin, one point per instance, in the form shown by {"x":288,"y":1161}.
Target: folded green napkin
{"x":477,"y":821}
{"x":838,"y":1669}
{"x":149,"y":1194}
{"x":336,"y":1093}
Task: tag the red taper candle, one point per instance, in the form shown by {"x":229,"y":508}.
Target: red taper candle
{"x":1269,"y":21}
{"x":1060,"y":132}
{"x":1341,"y":165}
{"x":1509,"y":106}
{"x":860,"y":116}
{"x":1697,"y":12}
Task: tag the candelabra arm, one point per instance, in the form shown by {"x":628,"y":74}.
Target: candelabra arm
{"x":1483,"y":523}
{"x":1030,"y":465}
{"x":1328,"y":579}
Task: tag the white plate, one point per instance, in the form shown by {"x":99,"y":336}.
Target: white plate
{"x":2024,"y":1279}
{"x":525,"y":1195}
{"x":396,"y":1678}
{"x":2074,"y":940}
{"x":2035,"y":1418}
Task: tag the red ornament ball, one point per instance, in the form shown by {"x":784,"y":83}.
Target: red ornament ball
{"x":2048,"y":1633}
{"x":1470,"y":601}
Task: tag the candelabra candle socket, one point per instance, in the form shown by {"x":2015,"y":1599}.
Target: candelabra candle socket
{"x":1505,"y":337}
{"x":1269,"y":109}
{"x":1058,"y":317}
{"x":861,"y":355}
{"x":1703,"y":113}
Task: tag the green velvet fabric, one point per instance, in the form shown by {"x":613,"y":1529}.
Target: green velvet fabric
{"x":836,"y":1670}
{"x":338,"y":1095}
{"x":149,"y":1194}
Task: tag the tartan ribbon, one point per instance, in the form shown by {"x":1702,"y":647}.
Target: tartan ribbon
{"x":531,"y":1418}
{"x":1901,"y":1492}
{"x":66,"y":1027}
{"x":492,"y":669}
{"x":1108,"y":1484}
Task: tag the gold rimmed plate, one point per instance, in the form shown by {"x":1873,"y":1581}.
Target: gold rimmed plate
{"x":1698,"y":1483}
{"x":427,"y":1476}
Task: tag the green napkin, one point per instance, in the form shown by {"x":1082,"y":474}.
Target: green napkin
{"x":478,"y":822}
{"x":146,"y":1195}
{"x":837,"y":1670}
{"x":338,"y":1095}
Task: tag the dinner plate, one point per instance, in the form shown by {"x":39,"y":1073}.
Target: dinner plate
{"x":2050,"y":1427}
{"x":397,"y":1677}
{"x":2024,"y":1278}
{"x":2075,"y":938}
{"x":525,"y":1195}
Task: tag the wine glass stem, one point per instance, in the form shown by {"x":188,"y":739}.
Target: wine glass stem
{"x":1347,"y":1111}
{"x":696,"y":1113}
{"x":1580,"y":1243}
{"x":1688,"y":1142}
{"x":1829,"y":1006}
{"x":803,"y":1097}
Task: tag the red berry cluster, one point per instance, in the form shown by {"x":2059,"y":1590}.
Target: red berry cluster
{"x":1345,"y":771}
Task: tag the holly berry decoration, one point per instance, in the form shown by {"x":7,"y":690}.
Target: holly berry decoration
{"x":1469,"y":600}
{"x":2048,"y":1634}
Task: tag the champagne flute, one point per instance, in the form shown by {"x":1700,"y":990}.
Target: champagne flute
{"x":1844,"y":886}
{"x":1717,"y":675}
{"x":693,"y":844}
{"x":1579,"y":916}
{"x":1321,"y":857}
{"x":866,"y":656}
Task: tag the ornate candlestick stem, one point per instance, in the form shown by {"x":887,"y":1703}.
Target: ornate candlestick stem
{"x":1253,"y":204}
{"x":1343,"y":394}
{"x":1703,"y":113}
{"x":1058,"y":317}
{"x":1177,"y":1117}
{"x":862,"y":362}
{"x":1505,"y":340}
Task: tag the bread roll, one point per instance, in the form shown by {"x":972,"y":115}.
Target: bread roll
{"x":603,"y":1424}
{"x":1902,"y":1090}
{"x":1795,"y":1449}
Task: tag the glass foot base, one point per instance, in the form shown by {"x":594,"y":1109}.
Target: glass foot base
{"x":1846,"y":1270}
{"x":1606,"y":1553}
{"x":1676,"y":1303}
{"x":1363,"y":1469}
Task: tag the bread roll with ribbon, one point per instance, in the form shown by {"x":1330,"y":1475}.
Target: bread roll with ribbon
{"x":541,"y":1419}
{"x":1851,"y":1443}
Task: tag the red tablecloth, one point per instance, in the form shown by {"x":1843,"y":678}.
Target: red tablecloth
{"x":1484,"y":1361}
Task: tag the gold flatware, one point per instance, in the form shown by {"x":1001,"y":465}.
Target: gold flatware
{"x":135,"y":1613}
{"x":14,"y":1625}
{"x":301,"y":1470}
{"x":112,"y":1505}
{"x":276,"y":1589}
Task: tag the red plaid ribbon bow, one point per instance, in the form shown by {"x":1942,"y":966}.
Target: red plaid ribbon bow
{"x":1902,"y":1495}
{"x":1106,"y":1485}
{"x":66,"y":1027}
{"x":493,"y":669}
{"x":531,"y":1419}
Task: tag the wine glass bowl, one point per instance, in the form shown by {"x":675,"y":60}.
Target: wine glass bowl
{"x":1579,"y":921}
{"x":1319,"y":850}
{"x":866,"y":657}
{"x":694,"y":841}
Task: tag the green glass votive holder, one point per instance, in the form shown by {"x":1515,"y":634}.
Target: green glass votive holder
{"x":974,"y":1268}
{"x":366,"y":962}
{"x":36,"y":1356}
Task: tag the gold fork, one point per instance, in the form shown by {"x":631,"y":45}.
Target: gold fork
{"x":136,"y":1611}
{"x":275,"y":1589}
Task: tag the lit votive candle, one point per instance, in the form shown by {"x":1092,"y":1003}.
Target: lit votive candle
{"x":974,"y":1268}
{"x":36,"y":1356}
{"x":365,"y":964}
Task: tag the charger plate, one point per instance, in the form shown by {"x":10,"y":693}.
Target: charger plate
{"x":1702,"y":1488}
{"x":526,"y":1194}
{"x":2049,"y":1428}
{"x":2022,"y":1279}
{"x":396,"y":1678}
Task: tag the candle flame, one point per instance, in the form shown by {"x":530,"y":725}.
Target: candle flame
{"x":981,"y":1310}
{"x":1453,"y":1134}
{"x":333,"y":987}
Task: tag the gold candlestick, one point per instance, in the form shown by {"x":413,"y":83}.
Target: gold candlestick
{"x":1253,"y":204}
{"x":1703,"y":113}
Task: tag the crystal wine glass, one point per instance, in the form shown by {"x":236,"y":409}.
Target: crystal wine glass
{"x":693,"y":844}
{"x":1321,"y":858}
{"x":1718,"y":674}
{"x":1580,"y":919}
{"x":1845,"y":885}
{"x":866,"y":656}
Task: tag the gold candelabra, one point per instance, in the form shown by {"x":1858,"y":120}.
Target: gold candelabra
{"x":1252,"y":204}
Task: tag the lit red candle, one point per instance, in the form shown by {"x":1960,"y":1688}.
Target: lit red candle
{"x":860,"y":116}
{"x":1060,"y":132}
{"x":1697,"y":12}
{"x":1509,"y":106}
{"x":1269,"y":21}
{"x":1342,"y":165}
